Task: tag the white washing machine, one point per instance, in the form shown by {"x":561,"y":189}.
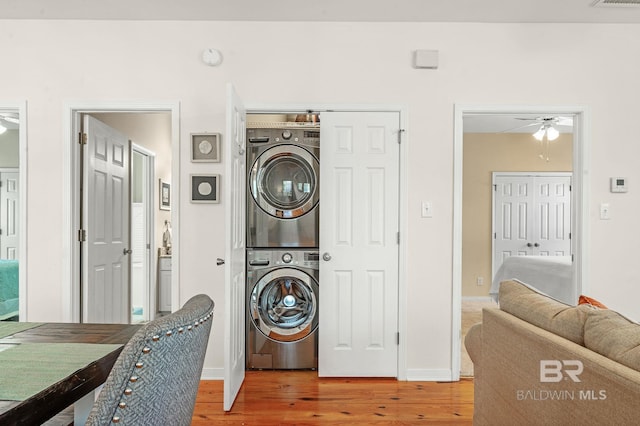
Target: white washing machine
{"x":283,"y":175}
{"x":282,"y":305}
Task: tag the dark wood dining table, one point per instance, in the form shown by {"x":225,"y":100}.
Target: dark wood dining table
{"x":80,"y":384}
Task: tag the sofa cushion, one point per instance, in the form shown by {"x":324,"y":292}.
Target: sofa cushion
{"x":614,"y":336}
{"x":543,"y":311}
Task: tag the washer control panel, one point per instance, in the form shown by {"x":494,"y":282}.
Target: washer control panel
{"x":265,"y":258}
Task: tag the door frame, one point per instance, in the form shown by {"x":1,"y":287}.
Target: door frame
{"x":579,"y":211}
{"x":151,"y":201}
{"x":275,"y":108}
{"x":21,"y":108}
{"x":71,"y":187}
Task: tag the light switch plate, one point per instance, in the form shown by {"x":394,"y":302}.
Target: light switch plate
{"x":427,"y":209}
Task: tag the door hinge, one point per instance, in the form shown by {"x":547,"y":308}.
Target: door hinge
{"x":398,"y":237}
{"x":82,"y":235}
{"x":495,"y":235}
{"x":0,"y":231}
{"x":569,"y":235}
{"x":400,"y":132}
{"x":82,"y":138}
{"x":495,"y":187}
{"x":398,"y":338}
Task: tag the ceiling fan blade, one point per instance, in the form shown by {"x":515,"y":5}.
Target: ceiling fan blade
{"x":520,"y":127}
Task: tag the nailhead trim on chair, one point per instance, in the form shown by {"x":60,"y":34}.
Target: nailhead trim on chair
{"x":146,"y":350}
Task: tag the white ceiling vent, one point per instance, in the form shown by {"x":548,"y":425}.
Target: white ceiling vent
{"x":616,"y":3}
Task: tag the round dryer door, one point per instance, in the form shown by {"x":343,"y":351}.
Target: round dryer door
{"x":284,"y":305}
{"x":284,"y":181}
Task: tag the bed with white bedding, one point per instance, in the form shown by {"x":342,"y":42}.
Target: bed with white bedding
{"x":552,"y":275}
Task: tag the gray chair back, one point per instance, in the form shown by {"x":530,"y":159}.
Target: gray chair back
{"x":155,"y":379}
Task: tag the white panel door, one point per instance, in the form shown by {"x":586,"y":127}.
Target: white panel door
{"x":9,"y":214}
{"x":235,"y":285}
{"x":532,"y":215}
{"x":107,"y":221}
{"x":552,"y":215}
{"x":359,"y":175}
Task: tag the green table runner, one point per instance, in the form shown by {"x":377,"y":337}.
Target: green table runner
{"x":29,"y":368}
{"x":7,"y":328}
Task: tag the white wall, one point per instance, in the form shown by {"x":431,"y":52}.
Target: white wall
{"x":592,"y":65}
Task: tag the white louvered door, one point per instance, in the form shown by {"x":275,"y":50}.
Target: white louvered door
{"x":359,"y":184}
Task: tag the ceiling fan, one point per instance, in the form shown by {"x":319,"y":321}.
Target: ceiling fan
{"x":9,"y":120}
{"x":546,"y":121}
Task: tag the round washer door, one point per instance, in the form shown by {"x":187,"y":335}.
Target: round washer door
{"x":284,"y":181}
{"x":283,"y":305}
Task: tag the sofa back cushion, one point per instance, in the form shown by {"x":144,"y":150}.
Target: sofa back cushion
{"x":536,"y":308}
{"x":614,"y":336}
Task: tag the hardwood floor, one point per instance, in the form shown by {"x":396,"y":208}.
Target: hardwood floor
{"x":300,"y":397}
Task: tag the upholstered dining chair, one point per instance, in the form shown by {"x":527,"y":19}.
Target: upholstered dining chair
{"x":155,"y":379}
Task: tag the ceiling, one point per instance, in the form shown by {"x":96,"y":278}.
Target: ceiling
{"x":518,"y":11}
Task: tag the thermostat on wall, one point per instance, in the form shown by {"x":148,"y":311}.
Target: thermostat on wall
{"x":618,"y":184}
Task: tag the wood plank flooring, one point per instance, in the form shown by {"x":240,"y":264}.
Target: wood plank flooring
{"x":301,"y":397}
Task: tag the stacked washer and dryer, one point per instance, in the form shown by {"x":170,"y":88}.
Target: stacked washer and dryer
{"x":282,"y":246}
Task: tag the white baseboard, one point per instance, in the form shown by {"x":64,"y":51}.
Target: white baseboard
{"x":212,"y":374}
{"x":426,"y":375}
{"x":486,"y":299}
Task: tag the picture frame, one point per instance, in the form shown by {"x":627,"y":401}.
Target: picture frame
{"x":205,"y":147}
{"x":205,"y":188}
{"x":164,"y":199}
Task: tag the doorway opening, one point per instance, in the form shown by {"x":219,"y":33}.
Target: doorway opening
{"x":13,"y":224}
{"x":153,"y":156}
{"x":500,"y":139}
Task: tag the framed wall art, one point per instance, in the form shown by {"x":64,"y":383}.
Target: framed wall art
{"x":205,"y":147}
{"x":165,"y":195}
{"x":205,"y":188}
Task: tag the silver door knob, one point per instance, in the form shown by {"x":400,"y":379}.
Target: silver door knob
{"x":529,"y":244}
{"x":536,"y":245}
{"x":219,"y":261}
{"x":326,"y":257}
{"x":127,"y":251}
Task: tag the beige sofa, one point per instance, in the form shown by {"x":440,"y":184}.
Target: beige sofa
{"x":538,"y":361}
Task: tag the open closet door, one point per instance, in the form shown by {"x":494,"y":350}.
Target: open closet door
{"x":235,"y":282}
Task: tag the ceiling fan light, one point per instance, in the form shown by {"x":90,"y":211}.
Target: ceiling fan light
{"x":552,"y":133}
{"x":539,"y":134}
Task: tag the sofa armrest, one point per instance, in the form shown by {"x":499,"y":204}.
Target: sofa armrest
{"x":473,"y":342}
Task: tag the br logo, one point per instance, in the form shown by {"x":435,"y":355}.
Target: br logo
{"x":553,"y":370}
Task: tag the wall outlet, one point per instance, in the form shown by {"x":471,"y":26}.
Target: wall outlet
{"x":480,"y":281}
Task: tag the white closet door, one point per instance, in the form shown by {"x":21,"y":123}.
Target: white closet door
{"x":532,"y":215}
{"x":359,"y":184}
{"x":235,"y":263}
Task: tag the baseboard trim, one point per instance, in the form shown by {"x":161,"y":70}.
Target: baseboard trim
{"x":212,"y":374}
{"x":427,"y":375}
{"x":486,"y":299}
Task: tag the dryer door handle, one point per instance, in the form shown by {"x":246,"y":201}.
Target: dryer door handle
{"x":326,"y":256}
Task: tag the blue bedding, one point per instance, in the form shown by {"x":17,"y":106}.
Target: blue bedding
{"x":8,"y":288}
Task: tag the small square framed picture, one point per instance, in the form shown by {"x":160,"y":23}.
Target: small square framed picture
{"x":165,"y":195}
{"x":205,"y":188}
{"x":205,"y":147}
